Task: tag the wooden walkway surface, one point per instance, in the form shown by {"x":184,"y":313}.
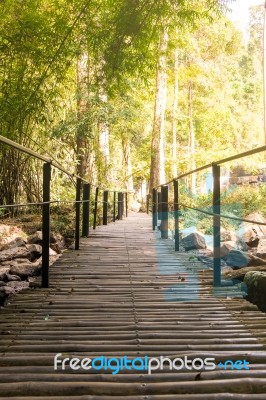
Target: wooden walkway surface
{"x":126,"y":294}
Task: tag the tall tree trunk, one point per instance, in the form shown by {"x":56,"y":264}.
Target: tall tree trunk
{"x":128,"y":165}
{"x":157,"y":171}
{"x":191,"y":136}
{"x":82,"y":96}
{"x":103,"y":128}
{"x":174,"y":114}
{"x":264,"y":70}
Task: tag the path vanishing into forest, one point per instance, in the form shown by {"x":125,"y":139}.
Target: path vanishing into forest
{"x":126,"y":294}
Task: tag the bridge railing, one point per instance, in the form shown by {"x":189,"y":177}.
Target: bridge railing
{"x":83,"y":189}
{"x":159,"y":202}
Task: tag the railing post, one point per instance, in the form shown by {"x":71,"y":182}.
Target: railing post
{"x":164,"y":223}
{"x":123,"y":204}
{"x":120,"y":207}
{"x":147,"y":203}
{"x":86,"y":210}
{"x":154,"y":208}
{"x":176,"y":214}
{"x":46,"y":224}
{"x":114,"y":210}
{"x":159,"y":206}
{"x":105,"y":207}
{"x":95,"y":208}
{"x":77,"y":207}
{"x":216,"y":226}
{"x":126,"y":204}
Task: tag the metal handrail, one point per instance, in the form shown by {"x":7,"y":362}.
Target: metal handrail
{"x":160,"y":208}
{"x":219,"y":162}
{"x":47,"y":164}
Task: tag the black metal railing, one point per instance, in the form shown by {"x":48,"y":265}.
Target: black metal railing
{"x":82,"y":198}
{"x":160,"y":208}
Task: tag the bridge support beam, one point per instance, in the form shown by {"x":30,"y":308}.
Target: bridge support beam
{"x":176,"y":214}
{"x":216,"y":226}
{"x":46,"y":224}
{"x":154,"y":208}
{"x":77,"y":207}
{"x":95,"y":208}
{"x":105,"y":207}
{"x":164,"y":223}
{"x":86,"y":209}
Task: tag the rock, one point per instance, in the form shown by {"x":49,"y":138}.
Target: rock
{"x":256,"y":284}
{"x":7,"y":291}
{"x":3,"y":272}
{"x":56,"y":237}
{"x":36,"y":238}
{"x":25,"y":270}
{"x":18,"y":242}
{"x":52,"y":252}
{"x":228,"y":236}
{"x":226,"y":247}
{"x":261,"y":250}
{"x":237,"y":258}
{"x":10,"y":234}
{"x":254,"y":260}
{"x":187,"y":231}
{"x":193,"y":241}
{"x":11,"y":278}
{"x":16,"y":252}
{"x":2,"y":283}
{"x":35,"y":250}
{"x":17,"y":286}
{"x":250,"y":233}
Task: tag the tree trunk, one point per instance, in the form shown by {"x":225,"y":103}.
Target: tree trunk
{"x":82,"y":129}
{"x":174,"y":115}
{"x":128,"y":165}
{"x":191,"y":136}
{"x":157,"y":171}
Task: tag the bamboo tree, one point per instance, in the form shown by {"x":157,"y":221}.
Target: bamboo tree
{"x":157,"y":170}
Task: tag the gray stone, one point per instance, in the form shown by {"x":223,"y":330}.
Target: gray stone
{"x":35,"y":250}
{"x":36,"y":238}
{"x":187,"y":231}
{"x":16,"y":252}
{"x":10,"y":278}
{"x":193,"y":241}
{"x":17,"y":286}
{"x":2,"y":283}
{"x":226,"y":247}
{"x":237,"y":258}
{"x":18,"y":242}
{"x":261,"y":250}
{"x":3,"y":272}
{"x":7,"y":291}
{"x":25,"y":270}
{"x":256,"y":285}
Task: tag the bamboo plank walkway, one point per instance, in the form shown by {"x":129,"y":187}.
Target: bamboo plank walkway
{"x":124,"y":293}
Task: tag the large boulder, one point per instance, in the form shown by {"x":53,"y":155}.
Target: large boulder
{"x":25,"y":270}
{"x":193,"y":241}
{"x":187,"y":231}
{"x":3,"y":272}
{"x":237,"y":258}
{"x":250,"y":233}
{"x":256,"y":284}
{"x":226,"y":247}
{"x":35,"y":238}
{"x":15,"y":252}
{"x":228,"y":235}
{"x":261,"y":250}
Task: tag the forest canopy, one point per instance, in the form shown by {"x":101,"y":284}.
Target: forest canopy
{"x":125,"y":91}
